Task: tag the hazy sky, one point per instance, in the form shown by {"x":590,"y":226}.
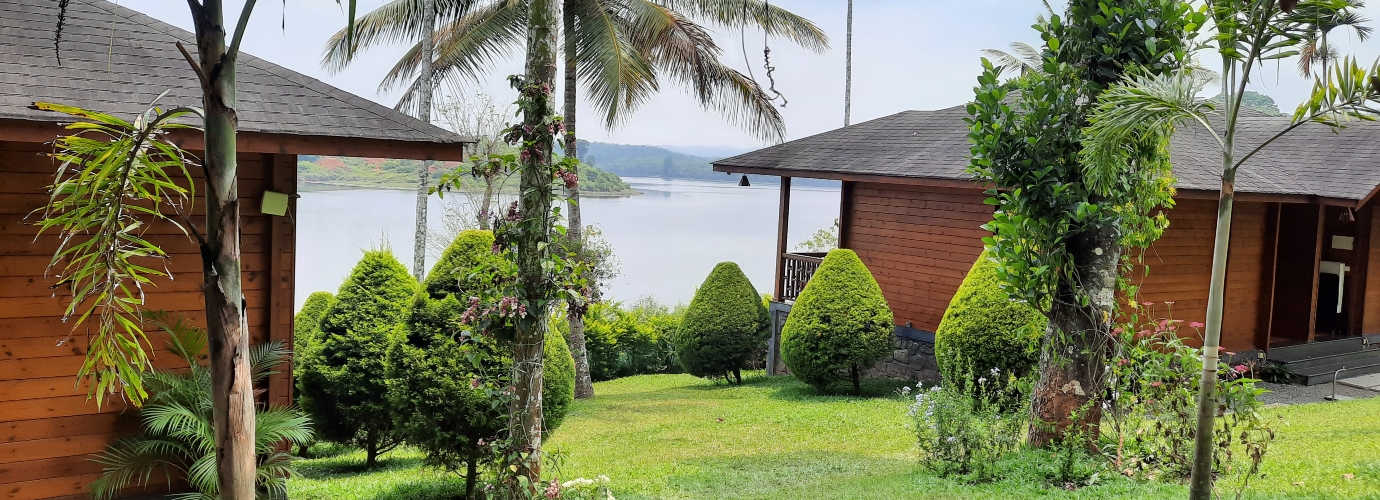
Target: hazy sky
{"x":907,"y":54}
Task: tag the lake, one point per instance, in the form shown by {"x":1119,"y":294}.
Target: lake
{"x":666,"y":240}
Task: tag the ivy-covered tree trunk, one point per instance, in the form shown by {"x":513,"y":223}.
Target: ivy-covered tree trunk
{"x":1073,"y":361}
{"x":532,"y":239}
{"x":232,"y":391}
{"x":584,"y":384}
{"x":427,"y":77}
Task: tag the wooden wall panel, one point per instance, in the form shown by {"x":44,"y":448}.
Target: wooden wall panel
{"x":1180,"y":266}
{"x":48,"y":428}
{"x":918,"y":242}
{"x":1370,"y":321}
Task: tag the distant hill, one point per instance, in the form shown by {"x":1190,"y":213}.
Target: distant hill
{"x":630,"y":160}
{"x":1256,"y":101}
{"x":338,"y":172}
{"x":714,"y":152}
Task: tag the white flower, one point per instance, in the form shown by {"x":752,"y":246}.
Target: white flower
{"x":952,"y":439}
{"x":934,"y":389}
{"x":603,"y":479}
{"x":982,"y":380}
{"x":996,"y":371}
{"x":905,"y":390}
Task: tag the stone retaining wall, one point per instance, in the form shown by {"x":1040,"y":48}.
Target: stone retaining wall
{"x":911,"y":359}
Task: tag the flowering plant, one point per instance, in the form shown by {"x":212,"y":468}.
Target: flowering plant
{"x":1154,"y":377}
{"x":964,"y":428}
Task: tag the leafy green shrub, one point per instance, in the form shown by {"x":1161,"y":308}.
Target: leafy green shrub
{"x":724,"y":325}
{"x":306,"y":341}
{"x":839,"y":326}
{"x":984,"y":329}
{"x":344,"y":385}
{"x":964,"y":431}
{"x":444,"y":381}
{"x":463,"y":267}
{"x":177,"y":437}
{"x":558,"y":386}
{"x":625,"y":342}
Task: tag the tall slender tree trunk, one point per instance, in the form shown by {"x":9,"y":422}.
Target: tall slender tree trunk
{"x":584,"y":384}
{"x":534,"y":203}
{"x":848,"y":71}
{"x":232,"y":391}
{"x":1200,"y":481}
{"x":424,"y":94}
{"x":485,"y":211}
{"x":1073,"y":362}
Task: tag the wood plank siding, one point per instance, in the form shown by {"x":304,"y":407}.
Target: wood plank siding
{"x":919,"y":242}
{"x":1181,"y":263}
{"x":48,"y":429}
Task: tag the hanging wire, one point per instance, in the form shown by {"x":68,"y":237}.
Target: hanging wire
{"x":766,"y":51}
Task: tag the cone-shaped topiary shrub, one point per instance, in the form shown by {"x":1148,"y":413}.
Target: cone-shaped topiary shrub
{"x":464,"y":267}
{"x":344,"y":387}
{"x":306,"y":339}
{"x":839,"y":326}
{"x":724,"y":325}
{"x":984,"y":329}
{"x":443,"y":385}
{"x":558,"y":384}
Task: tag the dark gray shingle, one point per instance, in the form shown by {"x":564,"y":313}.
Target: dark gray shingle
{"x":1311,"y":161}
{"x":116,"y":60}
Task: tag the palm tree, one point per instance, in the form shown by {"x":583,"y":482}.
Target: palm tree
{"x":618,"y":49}
{"x":1318,"y":19}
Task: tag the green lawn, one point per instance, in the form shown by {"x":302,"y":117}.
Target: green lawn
{"x":678,"y":437}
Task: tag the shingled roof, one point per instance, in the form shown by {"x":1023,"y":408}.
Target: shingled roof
{"x":116,"y":60}
{"x":1311,"y":161}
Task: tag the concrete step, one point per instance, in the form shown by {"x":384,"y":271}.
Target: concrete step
{"x":1354,"y":358}
{"x":1323,"y":374}
{"x":1315,"y":350}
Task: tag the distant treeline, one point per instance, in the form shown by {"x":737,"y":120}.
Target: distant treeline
{"x":347,"y":172}
{"x":652,"y":161}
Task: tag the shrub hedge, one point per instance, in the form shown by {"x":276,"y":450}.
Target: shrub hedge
{"x":839,"y":326}
{"x":984,"y":329}
{"x":724,"y":326}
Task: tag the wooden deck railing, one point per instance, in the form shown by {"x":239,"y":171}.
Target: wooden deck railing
{"x":796,"y":271}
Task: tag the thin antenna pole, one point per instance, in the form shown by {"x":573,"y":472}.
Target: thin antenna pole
{"x":848,"y":72}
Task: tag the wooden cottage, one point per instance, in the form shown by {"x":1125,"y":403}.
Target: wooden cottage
{"x":117,"y":60}
{"x":1303,"y":272}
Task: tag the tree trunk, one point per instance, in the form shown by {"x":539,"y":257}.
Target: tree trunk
{"x":232,"y":391}
{"x":485,"y":212}
{"x":371,"y":453}
{"x":738,"y":375}
{"x":427,"y":78}
{"x":1200,"y":484}
{"x":584,"y":384}
{"x":857,"y":381}
{"x":534,"y":200}
{"x":471,"y":477}
{"x":1073,"y":361}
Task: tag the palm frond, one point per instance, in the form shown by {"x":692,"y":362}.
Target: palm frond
{"x":201,"y":475}
{"x":617,"y":77}
{"x":397,"y":21}
{"x":1145,"y":106}
{"x":185,"y":339}
{"x":1023,"y":58}
{"x":278,"y":424}
{"x":465,"y":48}
{"x":1350,"y":93}
{"x":134,"y":461}
{"x":686,"y":53}
{"x":264,"y":357}
{"x":756,"y":14}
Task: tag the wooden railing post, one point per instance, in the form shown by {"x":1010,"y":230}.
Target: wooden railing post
{"x":782,"y":231}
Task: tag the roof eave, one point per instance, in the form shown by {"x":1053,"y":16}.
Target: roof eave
{"x":258,"y":142}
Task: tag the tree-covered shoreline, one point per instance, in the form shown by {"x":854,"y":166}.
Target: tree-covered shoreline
{"x":331,"y":173}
